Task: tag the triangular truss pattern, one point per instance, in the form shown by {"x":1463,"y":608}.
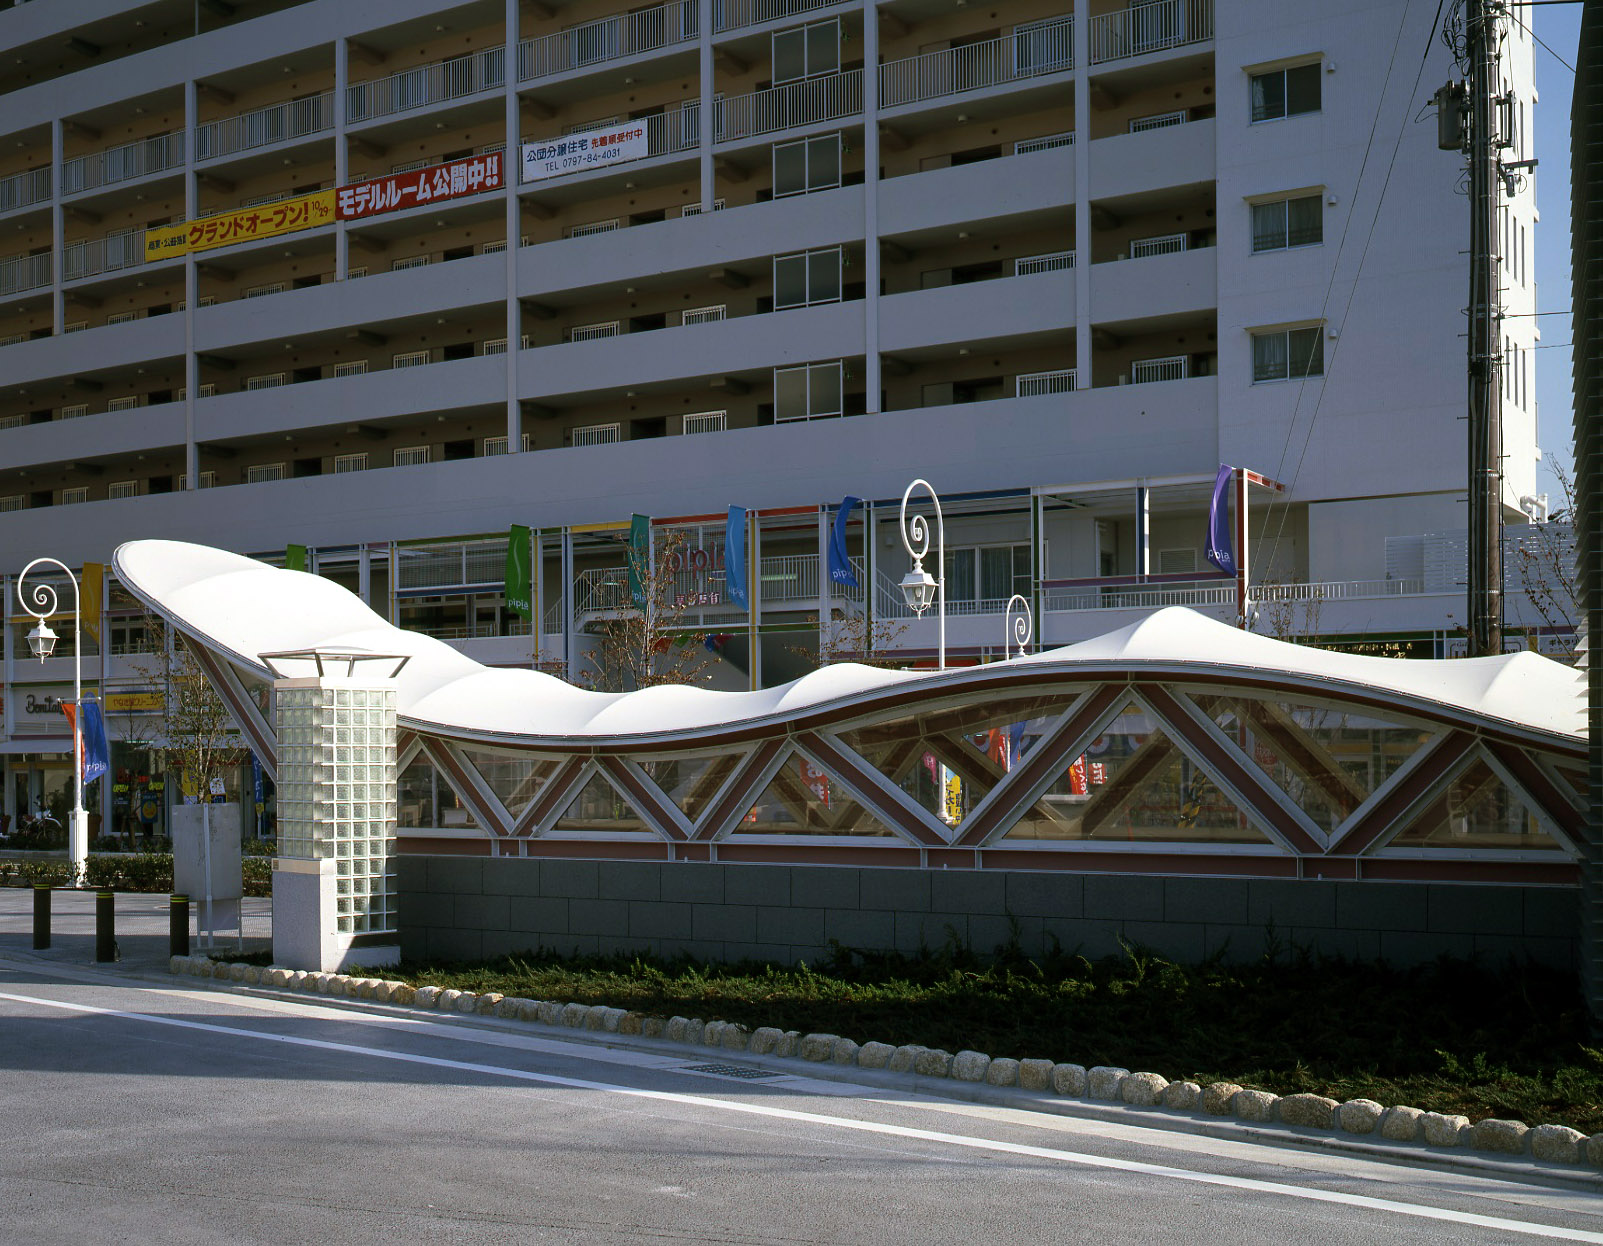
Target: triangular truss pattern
{"x":599,"y":807}
{"x":946,"y":764}
{"x":424,"y":799}
{"x":516,"y":779}
{"x":475,"y":796}
{"x":802,"y":798}
{"x":1478,"y":807}
{"x":692,"y":784}
{"x":1135,"y":783}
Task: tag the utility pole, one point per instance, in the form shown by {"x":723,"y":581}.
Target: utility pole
{"x":1471,"y":118}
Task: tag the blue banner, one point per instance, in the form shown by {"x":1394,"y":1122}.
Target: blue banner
{"x":735,"y":558}
{"x":1219,"y":551}
{"x":840,"y":564}
{"x":96,"y":754}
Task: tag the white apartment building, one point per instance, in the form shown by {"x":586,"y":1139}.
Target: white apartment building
{"x":1062,"y":258}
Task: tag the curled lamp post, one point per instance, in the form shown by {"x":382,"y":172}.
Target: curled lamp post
{"x":918,"y":588}
{"x":40,"y":601}
{"x":1019,"y":625}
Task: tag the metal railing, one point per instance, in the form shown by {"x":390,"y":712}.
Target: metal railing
{"x":21,"y":273}
{"x":608,"y":39}
{"x":1216,"y":592}
{"x":1052,"y":262}
{"x":1043,"y":49}
{"x":21,"y":189}
{"x":450,"y":568}
{"x":1166,"y":244}
{"x":1150,"y":27}
{"x":733,"y":14}
{"x":1034,"y":384}
{"x":784,"y":578}
{"x":426,"y":84}
{"x":104,"y":255}
{"x":276,"y":123}
{"x":1169,"y":368}
{"x":119,"y":164}
{"x":824,"y":98}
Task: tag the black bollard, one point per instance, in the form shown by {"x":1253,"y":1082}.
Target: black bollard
{"x":41,"y":916}
{"x":105,"y":926}
{"x":178,"y":926}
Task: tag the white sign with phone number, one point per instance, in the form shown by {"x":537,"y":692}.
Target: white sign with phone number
{"x":578,"y":152}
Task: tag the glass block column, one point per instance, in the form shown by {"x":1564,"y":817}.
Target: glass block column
{"x":334,"y":881}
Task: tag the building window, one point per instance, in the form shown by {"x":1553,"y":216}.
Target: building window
{"x":806,"y":51}
{"x":410,"y":359}
{"x":123,"y":489}
{"x":1285,"y":92}
{"x":807,"y":165}
{"x":270,"y":380}
{"x":1288,"y":354}
{"x":71,"y":497}
{"x":264,"y":472}
{"x":350,"y":463}
{"x":808,"y":392}
{"x":987,"y":573}
{"x":1296,"y":221}
{"x":597,"y":434}
{"x":354,"y":367}
{"x":411,"y":456}
{"x":807,"y":278}
{"x":706,"y":422}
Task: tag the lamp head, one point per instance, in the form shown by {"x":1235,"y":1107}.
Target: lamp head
{"x":42,"y":641}
{"x":918,"y":589}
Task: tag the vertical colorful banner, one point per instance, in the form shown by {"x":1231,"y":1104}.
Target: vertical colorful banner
{"x":518,"y":576}
{"x":735,"y":558}
{"x":295,"y":558}
{"x":840,"y":563}
{"x":92,"y":732}
{"x":1219,"y":551}
{"x":639,"y":558}
{"x":93,"y":590}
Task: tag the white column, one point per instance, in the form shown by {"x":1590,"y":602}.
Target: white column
{"x":512,"y":172}
{"x":569,"y":602}
{"x":871,"y":366}
{"x":58,"y":235}
{"x":342,"y":154}
{"x":709,"y":186}
{"x":1082,"y":194}
{"x":823,"y":577}
{"x":754,"y":591}
{"x":191,"y":293}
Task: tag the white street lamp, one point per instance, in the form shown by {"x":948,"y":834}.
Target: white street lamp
{"x":40,"y":601}
{"x":919,"y":589}
{"x":1018,"y":626}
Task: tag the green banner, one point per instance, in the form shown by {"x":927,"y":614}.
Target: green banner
{"x":295,"y":558}
{"x":639,"y":558}
{"x":517,"y":580}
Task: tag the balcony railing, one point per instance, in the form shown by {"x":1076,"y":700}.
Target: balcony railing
{"x":1166,"y":244}
{"x":426,"y":85}
{"x":1034,"y":384}
{"x":785,"y":578}
{"x":104,"y":255}
{"x":608,"y":39}
{"x":1150,"y":27}
{"x":733,"y":14}
{"x":21,"y":273}
{"x":1044,"y":49}
{"x":21,"y":189}
{"x":119,"y":164}
{"x":1215,"y":592}
{"x":452,"y":568}
{"x":1169,"y":368}
{"x":824,"y":98}
{"x":1051,"y":262}
{"x":276,"y":123}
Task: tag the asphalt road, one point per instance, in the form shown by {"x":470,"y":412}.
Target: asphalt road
{"x":149,"y":1110}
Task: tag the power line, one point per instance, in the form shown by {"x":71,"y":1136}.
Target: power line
{"x":1538,"y":37}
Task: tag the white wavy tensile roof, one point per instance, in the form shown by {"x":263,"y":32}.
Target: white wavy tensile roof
{"x":242,"y":608}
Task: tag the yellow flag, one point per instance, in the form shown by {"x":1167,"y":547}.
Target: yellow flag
{"x":94,"y":593}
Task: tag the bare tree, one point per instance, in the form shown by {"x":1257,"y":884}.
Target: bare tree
{"x":1544,"y":559}
{"x":195,"y":728}
{"x":648,"y":643}
{"x":855,"y":637}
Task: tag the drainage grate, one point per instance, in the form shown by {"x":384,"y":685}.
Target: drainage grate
{"x":730,"y":1070}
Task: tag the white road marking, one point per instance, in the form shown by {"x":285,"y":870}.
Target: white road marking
{"x":1391,"y":1206}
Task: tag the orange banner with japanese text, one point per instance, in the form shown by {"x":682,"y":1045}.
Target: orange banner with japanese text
{"x":267,"y":220}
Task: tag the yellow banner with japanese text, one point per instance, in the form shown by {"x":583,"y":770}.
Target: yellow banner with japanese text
{"x":267,"y":220}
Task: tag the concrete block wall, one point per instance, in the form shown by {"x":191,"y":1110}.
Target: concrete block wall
{"x":468,"y":908}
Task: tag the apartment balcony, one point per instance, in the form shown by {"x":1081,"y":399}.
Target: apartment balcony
{"x":95,"y":351}
{"x":24,"y":190}
{"x":111,"y":253}
{"x":608,"y":39}
{"x":426,"y":86}
{"x":1126,"y":165}
{"x":830,"y":97}
{"x":1169,"y":283}
{"x":107,"y":434}
{"x":123,"y":163}
{"x":285,"y":122}
{"x":1032,"y":304}
{"x":1017,"y":57}
{"x":1014,"y":185}
{"x":737,"y":14}
{"x":22,"y":273}
{"x":1143,"y":29}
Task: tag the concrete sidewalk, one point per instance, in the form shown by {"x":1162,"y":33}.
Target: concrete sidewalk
{"x":142,"y":928}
